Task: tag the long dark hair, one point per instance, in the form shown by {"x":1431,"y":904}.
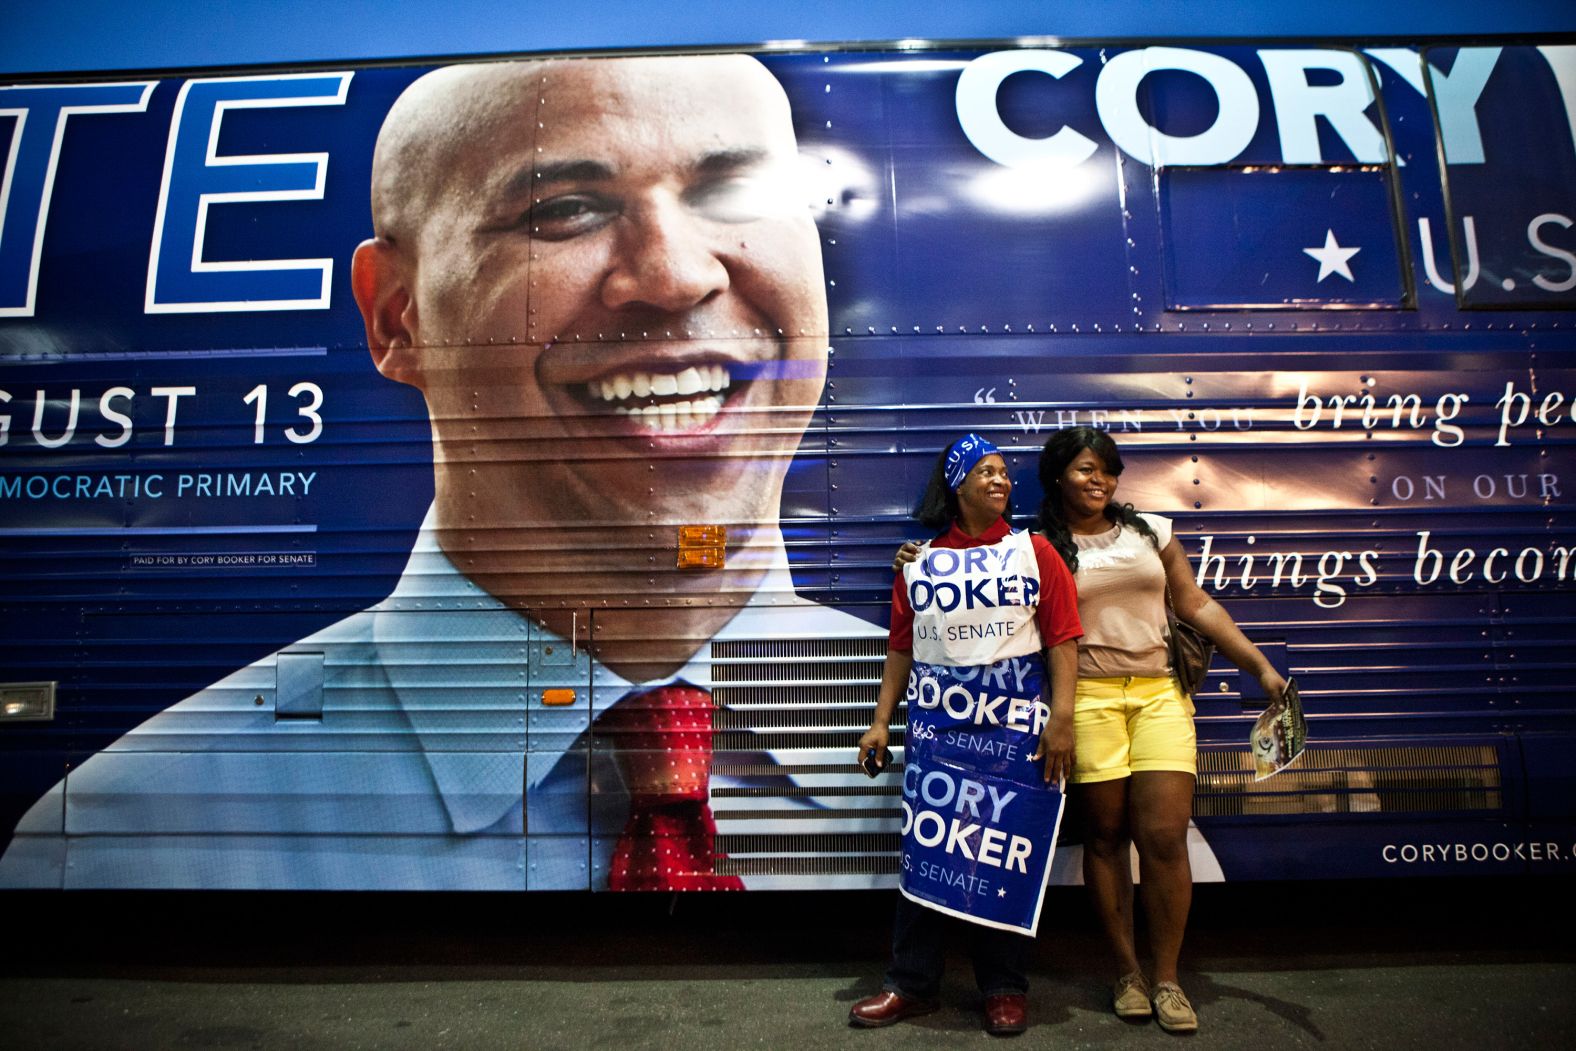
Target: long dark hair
{"x":938,"y":507}
{"x":1061,"y":449}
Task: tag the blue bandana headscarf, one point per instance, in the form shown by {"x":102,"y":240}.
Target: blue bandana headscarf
{"x":964,"y":454}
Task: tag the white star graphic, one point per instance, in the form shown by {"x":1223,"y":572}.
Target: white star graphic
{"x":1333,"y":259}
{"x":1001,"y":892}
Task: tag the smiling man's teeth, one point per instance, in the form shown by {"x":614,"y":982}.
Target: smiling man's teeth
{"x":625,"y":390}
{"x":674,"y":415}
{"x":689,"y":382}
{"x":696,"y":379}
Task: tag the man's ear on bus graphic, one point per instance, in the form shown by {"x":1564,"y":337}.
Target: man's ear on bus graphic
{"x":387,"y":309}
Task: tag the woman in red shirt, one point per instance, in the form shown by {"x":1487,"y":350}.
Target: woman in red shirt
{"x":1004,"y":611}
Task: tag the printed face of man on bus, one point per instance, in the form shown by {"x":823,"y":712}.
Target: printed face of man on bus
{"x":604,"y":277}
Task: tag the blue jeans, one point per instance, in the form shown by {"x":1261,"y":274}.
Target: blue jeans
{"x":919,"y":952}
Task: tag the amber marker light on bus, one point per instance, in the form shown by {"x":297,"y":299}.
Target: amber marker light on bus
{"x":558,"y":697}
{"x":703,"y":546}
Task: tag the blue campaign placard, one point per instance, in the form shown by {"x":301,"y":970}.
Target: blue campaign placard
{"x":979,"y":821}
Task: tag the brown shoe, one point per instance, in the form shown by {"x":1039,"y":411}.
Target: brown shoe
{"x":886,"y":1008}
{"x":1006,"y":1014}
{"x":1130,"y":996}
{"x":1172,"y":1009}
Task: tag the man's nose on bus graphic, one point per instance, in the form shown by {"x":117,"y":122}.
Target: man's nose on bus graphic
{"x":664,"y":260}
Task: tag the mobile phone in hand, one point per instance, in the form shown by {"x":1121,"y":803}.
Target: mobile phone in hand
{"x":871,"y":766}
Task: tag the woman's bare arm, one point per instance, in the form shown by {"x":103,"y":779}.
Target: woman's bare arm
{"x":894,"y":681}
{"x":1192,"y":604}
{"x":1056,"y":743}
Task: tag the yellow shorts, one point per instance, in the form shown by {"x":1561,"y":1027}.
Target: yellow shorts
{"x":1125,"y":725}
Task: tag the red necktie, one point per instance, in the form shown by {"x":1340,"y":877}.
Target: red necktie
{"x":663,"y":743}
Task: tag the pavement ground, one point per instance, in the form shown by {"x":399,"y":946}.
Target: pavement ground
{"x":1435,"y":964}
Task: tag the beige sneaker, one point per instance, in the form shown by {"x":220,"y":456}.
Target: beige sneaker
{"x":1172,"y":1010}
{"x":1130,"y":996}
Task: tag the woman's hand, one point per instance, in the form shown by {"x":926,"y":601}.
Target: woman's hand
{"x":909,"y":552}
{"x":1274,"y":686}
{"x":1056,"y":748}
{"x":874,"y":738}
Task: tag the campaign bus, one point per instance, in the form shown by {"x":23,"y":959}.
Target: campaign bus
{"x":487,"y":474}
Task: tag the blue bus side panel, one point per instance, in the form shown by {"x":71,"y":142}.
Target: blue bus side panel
{"x":1335,"y":350}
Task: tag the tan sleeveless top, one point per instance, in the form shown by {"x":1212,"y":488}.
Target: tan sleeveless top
{"x":1122,"y":602}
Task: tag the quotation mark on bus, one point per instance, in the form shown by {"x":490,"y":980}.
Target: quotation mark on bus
{"x":985,"y":397}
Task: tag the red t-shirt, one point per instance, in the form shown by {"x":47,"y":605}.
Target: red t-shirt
{"x":1057,"y":612}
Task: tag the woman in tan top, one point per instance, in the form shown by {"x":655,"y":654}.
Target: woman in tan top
{"x":1135,"y":745}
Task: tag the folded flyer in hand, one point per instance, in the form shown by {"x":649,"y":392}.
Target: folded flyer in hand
{"x":1279,"y":734}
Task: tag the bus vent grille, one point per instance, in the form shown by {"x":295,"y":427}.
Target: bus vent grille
{"x":750,"y":741}
{"x":854,"y":865}
{"x":806,"y":814}
{"x":854,"y":693}
{"x":821,"y":843}
{"x":797,"y":649}
{"x":874,"y":788}
{"x":860,"y":671}
{"x":789,"y":769}
{"x":1353,"y":781}
{"x":1317,"y":758}
{"x":782,"y":718}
